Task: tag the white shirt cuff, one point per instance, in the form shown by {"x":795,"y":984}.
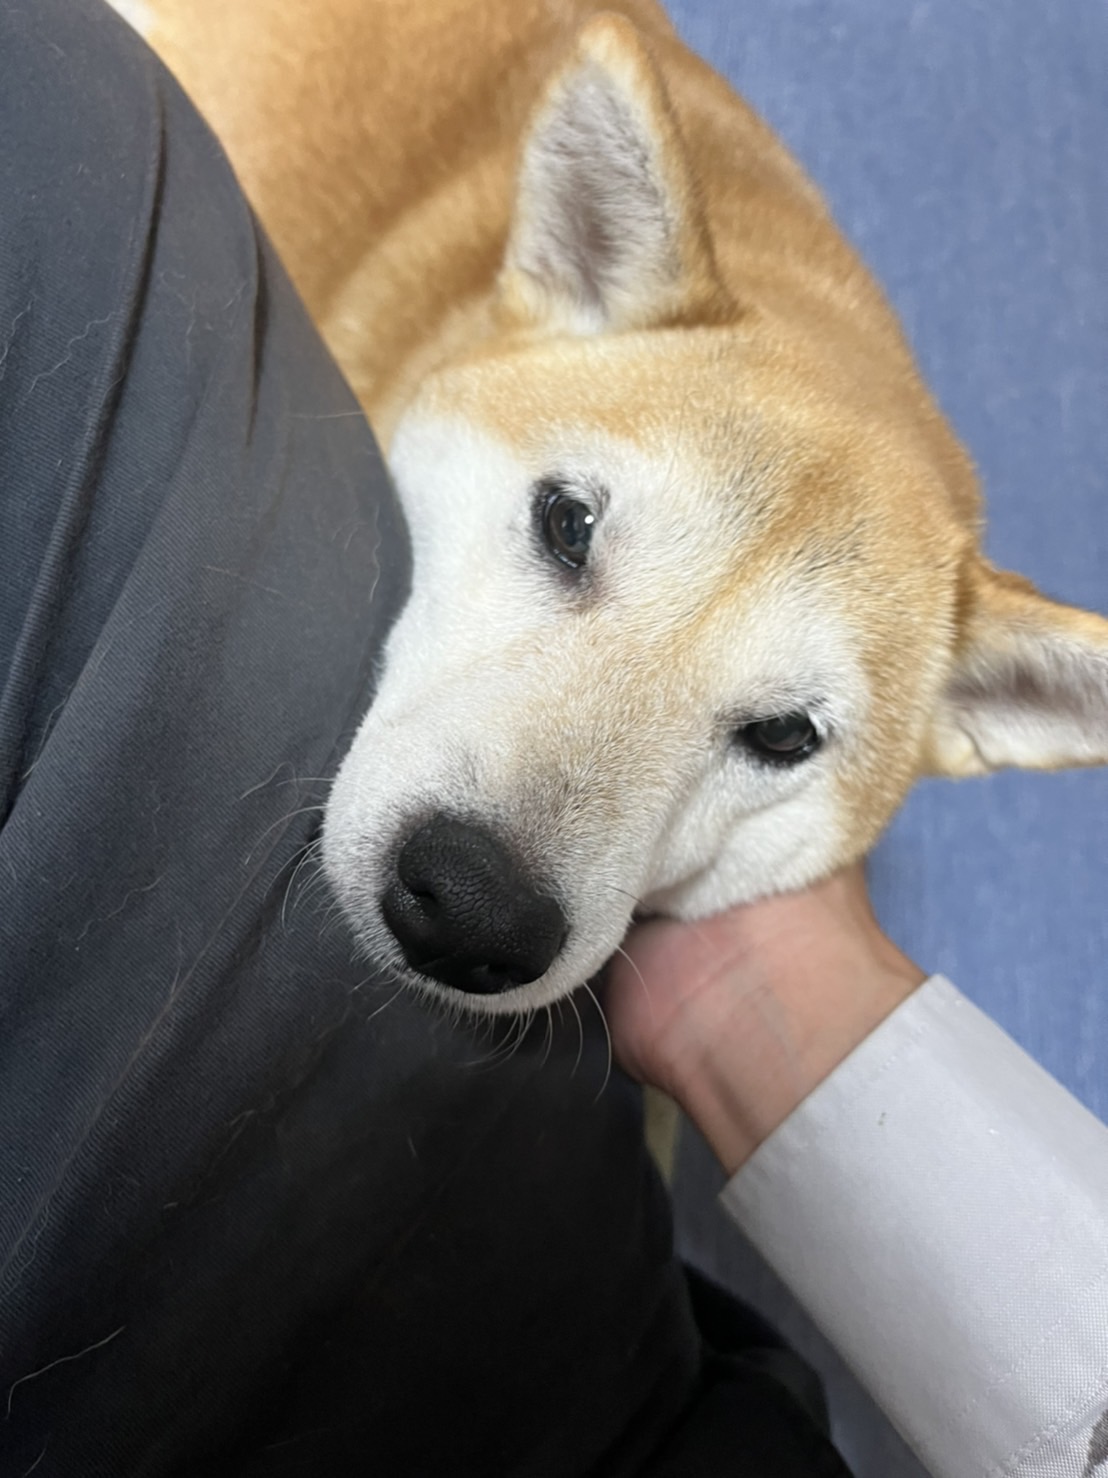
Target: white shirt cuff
{"x":940,"y":1206}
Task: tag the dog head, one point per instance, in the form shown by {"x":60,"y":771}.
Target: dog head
{"x":697,"y":586}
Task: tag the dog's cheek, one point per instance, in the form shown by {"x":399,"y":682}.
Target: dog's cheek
{"x":776,"y":849}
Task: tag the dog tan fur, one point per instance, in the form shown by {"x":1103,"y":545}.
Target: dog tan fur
{"x":540,"y":238}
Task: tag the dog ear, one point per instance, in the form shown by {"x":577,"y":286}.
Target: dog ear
{"x":606,"y":232}
{"x":1029,"y":685}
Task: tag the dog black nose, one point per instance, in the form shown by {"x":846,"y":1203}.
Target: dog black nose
{"x":463,"y":912}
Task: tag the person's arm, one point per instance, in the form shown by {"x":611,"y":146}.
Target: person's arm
{"x":936,"y":1200}
{"x":738,"y":1017}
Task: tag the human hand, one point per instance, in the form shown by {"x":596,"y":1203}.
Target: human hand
{"x":740,"y":1016}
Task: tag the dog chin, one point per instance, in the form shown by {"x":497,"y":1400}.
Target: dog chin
{"x":376,"y":944}
{"x":524,"y":1000}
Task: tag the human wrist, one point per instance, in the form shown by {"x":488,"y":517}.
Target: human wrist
{"x":747,"y":1056}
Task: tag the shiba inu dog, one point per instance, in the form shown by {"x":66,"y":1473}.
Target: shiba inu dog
{"x":697,"y":590}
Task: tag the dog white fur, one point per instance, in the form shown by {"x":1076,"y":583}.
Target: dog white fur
{"x":625,"y":296}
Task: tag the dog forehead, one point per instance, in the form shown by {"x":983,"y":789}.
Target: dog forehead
{"x":644,"y":388}
{"x":737,"y":481}
{"x":748,"y":426}
{"x":701,"y":479}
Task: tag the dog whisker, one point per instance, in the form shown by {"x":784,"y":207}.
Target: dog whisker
{"x":580,"y":1036}
{"x":489,"y":1025}
{"x":641,"y":978}
{"x":549,"y":1037}
{"x":633,"y":897}
{"x":261,"y":784}
{"x":608,"y":1036}
{"x":315,"y":883}
{"x":521,"y":1026}
{"x":384,"y":1006}
{"x":308,"y":858}
{"x":299,"y":811}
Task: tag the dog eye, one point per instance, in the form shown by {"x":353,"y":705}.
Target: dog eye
{"x":567,"y":528}
{"x":784,"y":739}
